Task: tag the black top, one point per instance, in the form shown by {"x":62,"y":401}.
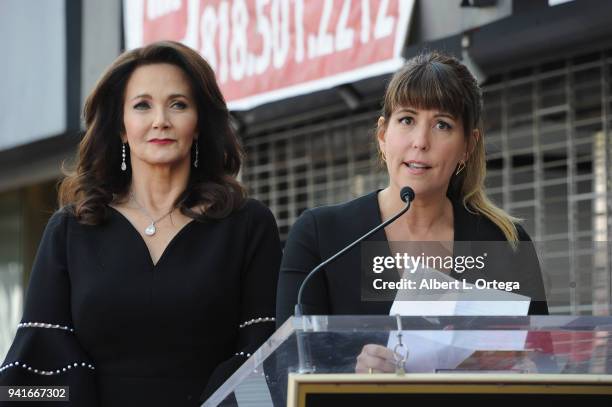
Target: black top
{"x":321,"y":232}
{"x":135,"y":333}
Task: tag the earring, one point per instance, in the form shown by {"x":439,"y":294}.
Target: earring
{"x":383,"y":156}
{"x":460,"y":167}
{"x":197,"y":153}
{"x":123,"y":165}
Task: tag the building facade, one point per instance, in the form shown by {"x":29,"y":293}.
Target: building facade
{"x":545,"y":70}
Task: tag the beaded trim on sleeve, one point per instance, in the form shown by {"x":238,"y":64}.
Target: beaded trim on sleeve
{"x":44,"y":325}
{"x":46,"y":372}
{"x":256,"y":321}
{"x":42,"y":372}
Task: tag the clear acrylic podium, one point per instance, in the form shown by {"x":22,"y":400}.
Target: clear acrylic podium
{"x":442,"y":350}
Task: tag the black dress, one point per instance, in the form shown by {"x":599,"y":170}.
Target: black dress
{"x":321,"y":232}
{"x":126,"y":332}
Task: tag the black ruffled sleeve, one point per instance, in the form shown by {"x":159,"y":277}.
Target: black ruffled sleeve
{"x":46,"y":349}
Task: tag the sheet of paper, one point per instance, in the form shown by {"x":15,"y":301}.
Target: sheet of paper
{"x":468,"y":301}
{"x":429,"y":351}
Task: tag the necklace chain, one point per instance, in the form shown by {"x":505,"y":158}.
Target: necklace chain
{"x":151,"y":229}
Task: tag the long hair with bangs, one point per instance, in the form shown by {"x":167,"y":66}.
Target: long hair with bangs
{"x":437,"y":81}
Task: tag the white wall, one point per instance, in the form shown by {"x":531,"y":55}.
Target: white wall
{"x":32,"y":71}
{"x":101,"y":40}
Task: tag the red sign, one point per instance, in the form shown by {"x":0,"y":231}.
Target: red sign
{"x":266,"y":50}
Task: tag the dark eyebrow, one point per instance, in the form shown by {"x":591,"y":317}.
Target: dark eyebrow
{"x":414,"y":112}
{"x":445,"y":115}
{"x":407,"y":110}
{"x":142,"y":95}
{"x":172,"y":96}
{"x":178,"y":95}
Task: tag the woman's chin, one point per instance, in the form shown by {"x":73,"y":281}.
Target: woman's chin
{"x":172,"y":162}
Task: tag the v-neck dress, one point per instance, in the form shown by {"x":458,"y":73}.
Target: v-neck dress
{"x":321,"y":232}
{"x":101,"y":318}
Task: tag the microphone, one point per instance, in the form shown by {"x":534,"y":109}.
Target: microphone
{"x":406,"y":195}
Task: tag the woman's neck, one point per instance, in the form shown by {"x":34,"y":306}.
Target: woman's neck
{"x":427,"y":216}
{"x":156,"y":188}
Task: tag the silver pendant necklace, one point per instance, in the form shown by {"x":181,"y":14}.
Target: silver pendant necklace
{"x":151,"y":229}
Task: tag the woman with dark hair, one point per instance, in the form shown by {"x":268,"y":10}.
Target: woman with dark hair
{"x":430,"y":138}
{"x":157,"y":276}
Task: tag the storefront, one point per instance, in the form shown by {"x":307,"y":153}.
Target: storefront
{"x":546,"y":73}
{"x":548,"y":102}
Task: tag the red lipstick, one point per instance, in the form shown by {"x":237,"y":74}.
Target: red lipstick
{"x":161,"y":141}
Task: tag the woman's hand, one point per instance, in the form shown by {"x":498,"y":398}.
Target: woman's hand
{"x":377,"y":358}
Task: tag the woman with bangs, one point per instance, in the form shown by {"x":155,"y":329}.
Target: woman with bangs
{"x":430,"y":138}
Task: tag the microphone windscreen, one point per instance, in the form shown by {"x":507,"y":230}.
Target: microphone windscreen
{"x":407,"y":194}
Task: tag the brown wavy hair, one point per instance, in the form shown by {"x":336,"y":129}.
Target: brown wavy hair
{"x":433,"y":80}
{"x":97,"y":179}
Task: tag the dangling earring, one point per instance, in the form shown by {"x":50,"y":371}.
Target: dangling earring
{"x":123,"y":165}
{"x":460,"y":167}
{"x":197,"y":152}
